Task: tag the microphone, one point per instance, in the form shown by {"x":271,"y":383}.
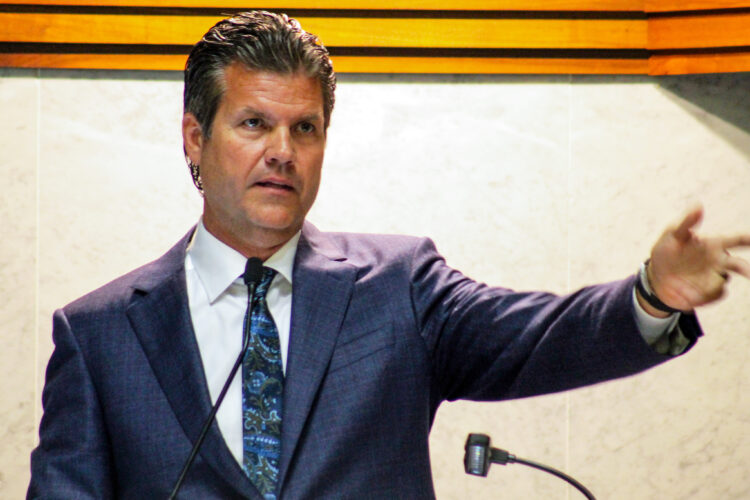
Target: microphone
{"x":253,"y":273}
{"x":479,"y":456}
{"x":252,"y":276}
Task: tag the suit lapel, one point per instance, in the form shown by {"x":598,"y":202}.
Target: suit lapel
{"x":322,"y":287}
{"x":160,"y":315}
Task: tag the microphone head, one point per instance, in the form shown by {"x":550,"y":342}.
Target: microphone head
{"x":253,"y":271}
{"x":477,"y":455}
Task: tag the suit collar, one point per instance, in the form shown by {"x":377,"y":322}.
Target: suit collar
{"x":322,"y":287}
{"x":160,"y":316}
{"x":218,"y":265}
{"x":317,"y":242}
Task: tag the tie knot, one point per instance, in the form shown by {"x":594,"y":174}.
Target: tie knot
{"x":265,"y":282}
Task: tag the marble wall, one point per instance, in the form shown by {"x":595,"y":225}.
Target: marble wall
{"x":529,"y":182}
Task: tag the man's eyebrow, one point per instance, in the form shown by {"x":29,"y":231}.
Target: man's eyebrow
{"x":312,"y":117}
{"x":248,"y":110}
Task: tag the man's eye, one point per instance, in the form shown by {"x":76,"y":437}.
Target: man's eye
{"x":306,"y":127}
{"x":253,"y":122}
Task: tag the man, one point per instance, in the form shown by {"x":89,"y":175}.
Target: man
{"x":370,"y":332}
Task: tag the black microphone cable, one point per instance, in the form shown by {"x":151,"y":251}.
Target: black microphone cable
{"x":252,"y":276}
{"x":478,"y":457}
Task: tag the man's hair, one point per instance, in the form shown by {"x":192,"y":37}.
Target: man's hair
{"x":260,"y":41}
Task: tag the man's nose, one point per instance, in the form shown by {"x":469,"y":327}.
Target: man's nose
{"x":280,"y":148}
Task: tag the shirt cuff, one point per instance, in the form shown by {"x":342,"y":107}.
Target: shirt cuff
{"x":652,"y":329}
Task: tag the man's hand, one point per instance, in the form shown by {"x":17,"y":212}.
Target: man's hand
{"x":687,"y":271}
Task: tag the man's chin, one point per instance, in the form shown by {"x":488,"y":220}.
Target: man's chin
{"x":283,"y":226}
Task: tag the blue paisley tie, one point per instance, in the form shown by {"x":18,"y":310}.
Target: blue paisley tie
{"x":262,"y":383}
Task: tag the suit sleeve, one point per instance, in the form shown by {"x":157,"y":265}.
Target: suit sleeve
{"x":489,"y":343}
{"x":72,"y":459}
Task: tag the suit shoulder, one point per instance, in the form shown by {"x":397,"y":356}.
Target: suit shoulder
{"x":110,"y":294}
{"x":380,"y":247}
{"x":117,"y":293}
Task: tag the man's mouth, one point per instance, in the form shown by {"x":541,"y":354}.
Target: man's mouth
{"x":275,"y":185}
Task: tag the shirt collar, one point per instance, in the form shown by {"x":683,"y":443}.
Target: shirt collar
{"x":218,"y":265}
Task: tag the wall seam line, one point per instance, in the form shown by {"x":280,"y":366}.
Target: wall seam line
{"x":37,"y":395}
{"x":567,"y":250}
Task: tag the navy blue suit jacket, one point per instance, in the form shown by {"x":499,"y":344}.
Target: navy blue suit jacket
{"x":382,"y":331}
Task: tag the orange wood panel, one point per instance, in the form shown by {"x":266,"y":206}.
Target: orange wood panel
{"x":699,"y":31}
{"x":686,"y":5}
{"x":94,"y":61}
{"x":109,"y":28}
{"x":353,"y":32}
{"x":348,"y":64}
{"x":685,"y":64}
{"x":489,"y":33}
{"x":524,"y":5}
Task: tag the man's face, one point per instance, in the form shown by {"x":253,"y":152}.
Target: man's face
{"x":261,"y":166}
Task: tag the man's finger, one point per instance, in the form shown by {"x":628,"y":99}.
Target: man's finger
{"x":742,"y":240}
{"x":738,"y":265}
{"x":682,"y":233}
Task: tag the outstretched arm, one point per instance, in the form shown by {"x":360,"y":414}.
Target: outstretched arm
{"x":686,"y":271}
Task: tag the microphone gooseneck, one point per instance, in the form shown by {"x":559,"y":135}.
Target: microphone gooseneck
{"x":479,"y":456}
{"x":252,"y":276}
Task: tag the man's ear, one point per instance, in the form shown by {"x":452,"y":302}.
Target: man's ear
{"x":192,"y":137}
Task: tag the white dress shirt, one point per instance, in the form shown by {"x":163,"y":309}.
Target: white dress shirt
{"x":218,"y":300}
{"x":663,"y":334}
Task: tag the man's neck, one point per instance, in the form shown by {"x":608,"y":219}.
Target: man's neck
{"x":261,"y":243}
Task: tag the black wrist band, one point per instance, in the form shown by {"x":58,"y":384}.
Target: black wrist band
{"x":644,"y":288}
